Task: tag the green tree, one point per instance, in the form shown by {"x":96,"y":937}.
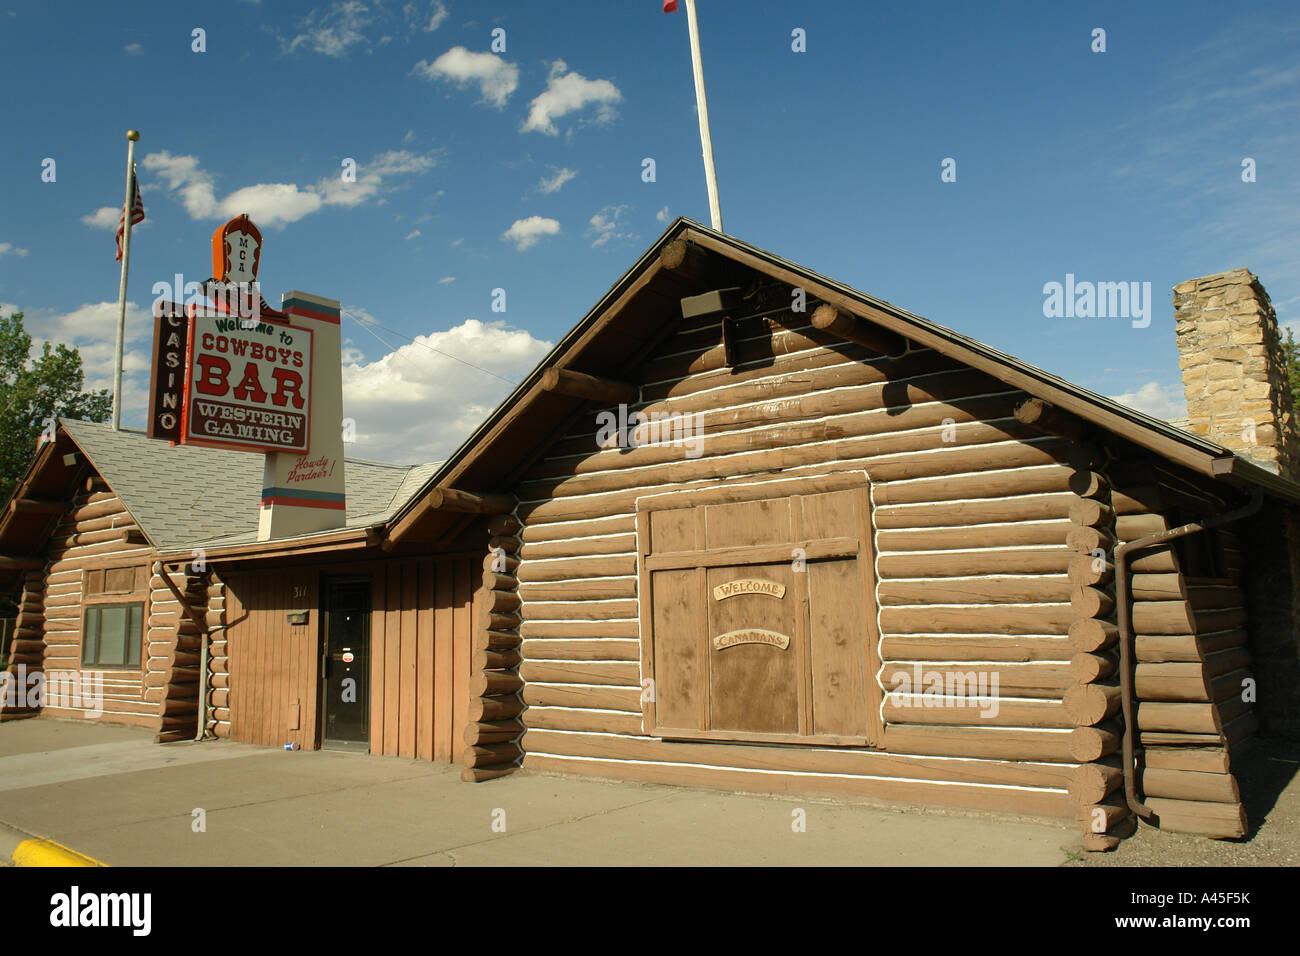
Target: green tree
{"x":1291,"y":352}
{"x":34,"y":390}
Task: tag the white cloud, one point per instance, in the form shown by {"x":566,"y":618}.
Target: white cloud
{"x":8,"y":247}
{"x":607,"y":225}
{"x":437,"y":14}
{"x":525,"y":233}
{"x":277,"y":204}
{"x":568,"y":92}
{"x":413,"y":234}
{"x":1165,"y":402}
{"x":662,"y":215}
{"x":334,"y":32}
{"x":415,"y":404}
{"x":105,"y":217}
{"x":553,"y":184}
{"x":446,"y":280}
{"x":133,"y":49}
{"x":496,"y":78}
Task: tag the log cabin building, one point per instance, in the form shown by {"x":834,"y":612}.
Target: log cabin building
{"x":744,"y":527}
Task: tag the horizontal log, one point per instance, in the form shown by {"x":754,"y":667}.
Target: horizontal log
{"x":501,"y":562}
{"x":1100,"y":817}
{"x":604,"y":698}
{"x":1033,"y":589}
{"x":1176,"y":617}
{"x":1037,"y":679}
{"x":497,"y":601}
{"x":601,"y":649}
{"x":1048,"y":418}
{"x":915,"y":709}
{"x":572,"y":568}
{"x":1132,"y":527}
{"x":581,"y":547}
{"x":1178,"y":718}
{"x":492,"y":732}
{"x":829,"y":319}
{"x":1092,"y":782}
{"x":580,"y":628}
{"x":582,"y":589}
{"x":497,"y":581}
{"x":1089,"y":704}
{"x":494,"y":684}
{"x":1005,"y":619}
{"x":489,"y":755}
{"x":1224,"y":821}
{"x":480,"y":774}
{"x":591,"y":721}
{"x":1190,"y":785}
{"x":1159,"y":648}
{"x":1049,"y":535}
{"x":1091,"y":602}
{"x":1010,"y":511}
{"x":993,"y":743}
{"x":489,"y":640}
{"x":502,"y":621}
{"x":579,"y":385}
{"x":488,"y":659}
{"x":578,"y":610}
{"x":932,"y":564}
{"x":1092,"y":743}
{"x":1089,"y":540}
{"x":1198,"y":759}
{"x":837,"y":761}
{"x":1088,"y":668}
{"x":1090,"y":513}
{"x":1089,"y":484}
{"x":1087,"y":570}
{"x":585,"y":672}
{"x":21,"y":562}
{"x":1201,"y":681}
{"x":1019,"y":481}
{"x":482,"y":709}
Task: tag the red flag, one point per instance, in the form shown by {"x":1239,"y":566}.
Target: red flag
{"x":137,"y":213}
{"x":670,"y":6}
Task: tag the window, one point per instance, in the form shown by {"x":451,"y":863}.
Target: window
{"x":111,"y":635}
{"x":112,"y":627}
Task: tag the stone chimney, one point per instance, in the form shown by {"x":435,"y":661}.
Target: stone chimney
{"x":1234,"y":369}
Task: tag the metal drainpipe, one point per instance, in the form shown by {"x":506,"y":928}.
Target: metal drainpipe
{"x":1125,"y":625}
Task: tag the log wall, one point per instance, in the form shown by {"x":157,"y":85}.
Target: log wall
{"x":90,"y":537}
{"x":1192,"y":656}
{"x":27,"y":648}
{"x":972,"y":519}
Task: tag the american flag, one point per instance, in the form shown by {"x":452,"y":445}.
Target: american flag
{"x":137,"y":212}
{"x":670,"y":6}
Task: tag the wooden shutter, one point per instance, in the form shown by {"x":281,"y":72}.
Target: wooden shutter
{"x":758,"y":613}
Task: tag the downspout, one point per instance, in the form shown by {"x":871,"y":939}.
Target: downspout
{"x":202,"y":624}
{"x":1126,"y":654}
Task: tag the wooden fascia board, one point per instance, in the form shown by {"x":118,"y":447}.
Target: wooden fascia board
{"x":354,"y":539}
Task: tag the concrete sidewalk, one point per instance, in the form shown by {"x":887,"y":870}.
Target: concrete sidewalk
{"x":111,"y":793}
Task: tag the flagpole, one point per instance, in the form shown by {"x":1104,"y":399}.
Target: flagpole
{"x":702,"y":108}
{"x":128,"y":205}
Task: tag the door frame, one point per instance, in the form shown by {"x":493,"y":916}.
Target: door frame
{"x":326,"y":583}
{"x":862,"y":544}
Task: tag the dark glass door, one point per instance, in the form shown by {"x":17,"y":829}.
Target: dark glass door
{"x":346,"y":670}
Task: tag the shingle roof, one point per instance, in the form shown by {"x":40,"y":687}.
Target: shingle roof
{"x":184,"y":495}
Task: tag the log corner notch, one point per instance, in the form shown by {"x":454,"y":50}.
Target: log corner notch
{"x":827,"y":318}
{"x":184,"y":680}
{"x":492,"y":747}
{"x":449,"y":499}
{"x":1049,"y":419}
{"x":1093,"y":702}
{"x":564,"y":381}
{"x":28,"y":646}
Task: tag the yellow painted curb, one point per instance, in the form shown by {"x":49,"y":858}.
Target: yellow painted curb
{"x":49,"y":853}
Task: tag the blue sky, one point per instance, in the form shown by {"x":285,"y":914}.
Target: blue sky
{"x":522,"y":170}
